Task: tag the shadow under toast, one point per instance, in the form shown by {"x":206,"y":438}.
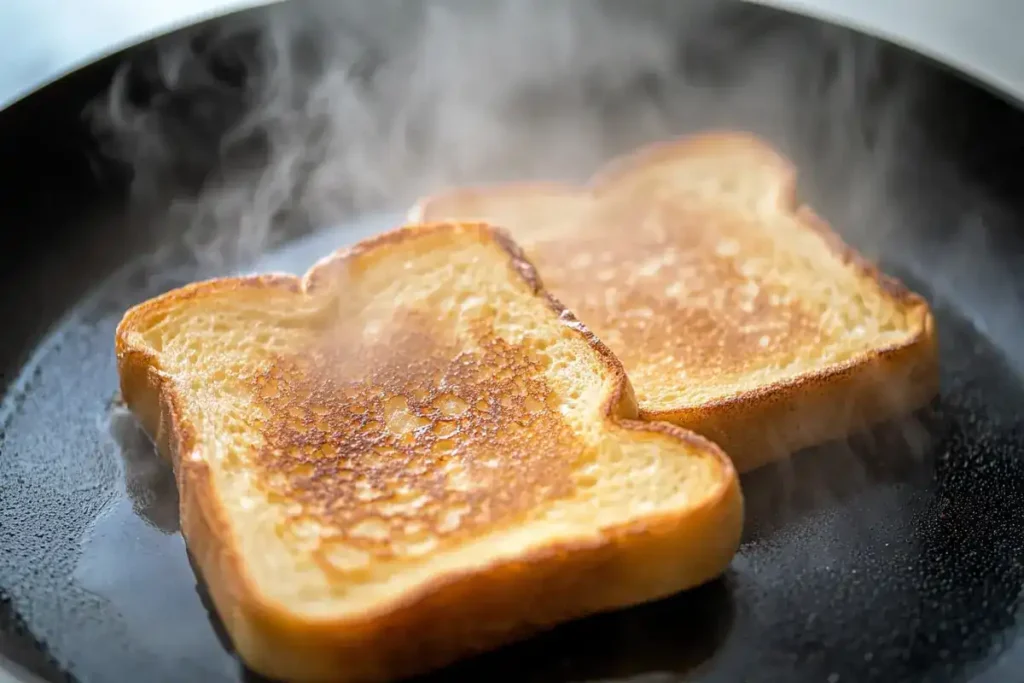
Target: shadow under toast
{"x":149,"y":478}
{"x":663,"y":640}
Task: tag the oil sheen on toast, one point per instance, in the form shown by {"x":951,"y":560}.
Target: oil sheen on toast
{"x":736,"y":312}
{"x":411,"y":455}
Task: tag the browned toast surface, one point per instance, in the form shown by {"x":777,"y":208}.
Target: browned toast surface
{"x":411,"y":455}
{"x":735,"y":311}
{"x":410,"y":393}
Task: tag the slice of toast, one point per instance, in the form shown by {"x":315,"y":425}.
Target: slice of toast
{"x":411,"y":455}
{"x":736,"y":312}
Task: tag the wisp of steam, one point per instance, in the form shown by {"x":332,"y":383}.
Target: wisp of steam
{"x":302,"y":114}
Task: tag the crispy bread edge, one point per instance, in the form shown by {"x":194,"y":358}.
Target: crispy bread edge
{"x":457,"y":614}
{"x":768,"y":423}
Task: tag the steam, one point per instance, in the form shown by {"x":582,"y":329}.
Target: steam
{"x":298,"y":116}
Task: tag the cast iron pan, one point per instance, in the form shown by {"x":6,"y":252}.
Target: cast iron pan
{"x":896,"y":557}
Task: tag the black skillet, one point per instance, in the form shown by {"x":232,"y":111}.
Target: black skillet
{"x":896,"y":557}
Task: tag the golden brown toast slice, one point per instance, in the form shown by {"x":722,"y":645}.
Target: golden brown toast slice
{"x":736,"y":312}
{"x":413,"y":454}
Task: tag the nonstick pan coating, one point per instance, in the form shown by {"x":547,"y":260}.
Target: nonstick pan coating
{"x":896,"y":557}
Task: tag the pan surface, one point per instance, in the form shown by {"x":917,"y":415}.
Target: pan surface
{"x":896,"y":557}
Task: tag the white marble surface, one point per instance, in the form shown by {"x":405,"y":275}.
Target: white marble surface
{"x":42,"y":40}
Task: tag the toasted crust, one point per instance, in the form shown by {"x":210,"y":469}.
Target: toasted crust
{"x":445,"y":619}
{"x":764,"y":423}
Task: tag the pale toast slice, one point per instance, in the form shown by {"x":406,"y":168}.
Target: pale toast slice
{"x":736,"y":312}
{"x":411,"y":455}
